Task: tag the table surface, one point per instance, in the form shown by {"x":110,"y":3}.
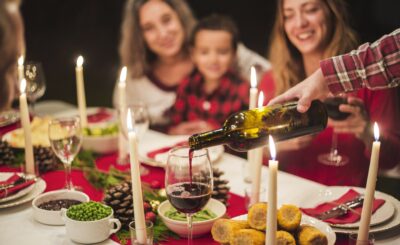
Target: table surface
{"x":18,"y":227}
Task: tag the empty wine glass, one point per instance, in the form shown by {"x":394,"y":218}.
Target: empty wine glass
{"x":333,"y":158}
{"x":188,"y":181}
{"x":140,"y":120}
{"x":65,"y":137}
{"x":35,"y":81}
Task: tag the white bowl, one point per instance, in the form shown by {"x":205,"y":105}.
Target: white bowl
{"x":199,"y":227}
{"x":101,"y":144}
{"x":50,"y":217}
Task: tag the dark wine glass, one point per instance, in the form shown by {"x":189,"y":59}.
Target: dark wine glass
{"x":333,"y":158}
{"x":188,"y":181}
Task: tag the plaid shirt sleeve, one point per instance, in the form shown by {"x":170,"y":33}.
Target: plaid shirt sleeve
{"x":375,"y":66}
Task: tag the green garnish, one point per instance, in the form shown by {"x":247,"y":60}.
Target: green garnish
{"x":202,"y":215}
{"x":110,"y":129}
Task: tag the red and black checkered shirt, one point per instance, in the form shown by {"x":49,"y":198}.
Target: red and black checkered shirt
{"x":193,"y":103}
{"x":374,"y":66}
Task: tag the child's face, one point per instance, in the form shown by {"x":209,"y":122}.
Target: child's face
{"x":213,"y":53}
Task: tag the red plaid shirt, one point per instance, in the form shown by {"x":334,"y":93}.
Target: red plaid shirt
{"x":374,"y":66}
{"x":193,"y":103}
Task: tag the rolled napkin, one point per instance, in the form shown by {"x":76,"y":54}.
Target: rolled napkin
{"x":351,"y":216}
{"x":15,"y":183}
{"x":154,"y":153}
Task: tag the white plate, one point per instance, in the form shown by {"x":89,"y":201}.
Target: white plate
{"x":5,"y":176}
{"x":307,"y":220}
{"x":384,"y":213}
{"x":8,"y":117}
{"x":37,"y":189}
{"x":89,"y":111}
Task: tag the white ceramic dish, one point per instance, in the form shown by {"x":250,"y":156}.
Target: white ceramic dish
{"x":199,"y":227}
{"x":4,"y":176}
{"x":307,"y":220}
{"x":38,"y":188}
{"x":50,"y":217}
{"x":384,"y":213}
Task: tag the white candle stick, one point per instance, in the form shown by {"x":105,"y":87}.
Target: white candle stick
{"x":80,"y":90}
{"x":122,"y":152}
{"x":256,"y":175}
{"x":140,"y":224}
{"x":370,"y":189}
{"x":272,"y":195}
{"x":21,"y":74}
{"x":26,"y":126}
{"x":251,"y":155}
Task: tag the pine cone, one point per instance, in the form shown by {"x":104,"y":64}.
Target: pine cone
{"x":7,"y":156}
{"x":45,"y":159}
{"x":221,"y":188}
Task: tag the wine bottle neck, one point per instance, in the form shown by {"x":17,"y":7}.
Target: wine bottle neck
{"x":207,"y":139}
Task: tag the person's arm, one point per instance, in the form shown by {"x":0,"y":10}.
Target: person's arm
{"x":375,"y":66}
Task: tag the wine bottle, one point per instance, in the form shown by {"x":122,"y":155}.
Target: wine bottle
{"x":249,"y":129}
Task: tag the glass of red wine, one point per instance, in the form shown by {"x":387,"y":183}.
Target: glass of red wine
{"x":188,"y":181}
{"x":333,"y":158}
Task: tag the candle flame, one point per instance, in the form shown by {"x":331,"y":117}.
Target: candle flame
{"x":21,"y":60}
{"x":122,"y":76}
{"x":79,"y":61}
{"x":260,"y":99}
{"x":376,"y":131}
{"x":129,"y":123}
{"x":22,"y":86}
{"x":272,"y":149}
{"x":253,"y":77}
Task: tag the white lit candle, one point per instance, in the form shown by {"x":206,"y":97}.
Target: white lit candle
{"x":370,"y":189}
{"x":140,"y":223}
{"x":21,"y":68}
{"x":251,"y":155}
{"x":258,"y":153}
{"x":80,"y":90}
{"x":272,"y":195}
{"x":122,"y":108}
{"x":26,"y":126}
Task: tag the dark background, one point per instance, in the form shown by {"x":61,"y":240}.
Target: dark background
{"x":58,"y":31}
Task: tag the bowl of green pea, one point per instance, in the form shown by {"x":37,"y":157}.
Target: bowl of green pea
{"x":202,"y":220}
{"x":90,"y":222}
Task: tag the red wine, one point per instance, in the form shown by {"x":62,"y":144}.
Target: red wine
{"x":191,"y":153}
{"x":188,"y":197}
{"x":332,"y":107}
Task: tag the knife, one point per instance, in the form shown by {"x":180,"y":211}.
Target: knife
{"x":342,"y":209}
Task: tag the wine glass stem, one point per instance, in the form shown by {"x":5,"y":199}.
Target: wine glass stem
{"x":190,"y":228}
{"x":334,"y":151}
{"x":68,"y":179}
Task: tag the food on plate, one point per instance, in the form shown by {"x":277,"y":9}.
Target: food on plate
{"x":257,"y":216}
{"x":284,"y":238}
{"x":248,"y":237}
{"x":202,"y":215}
{"x":101,"y":129}
{"x":289,"y":217}
{"x":89,"y":211}
{"x":309,"y":235}
{"x":223,"y":229}
{"x":55,"y":205}
{"x":39,"y":132}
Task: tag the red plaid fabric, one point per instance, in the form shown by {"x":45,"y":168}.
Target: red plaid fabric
{"x":374,"y":66}
{"x":193,"y":103}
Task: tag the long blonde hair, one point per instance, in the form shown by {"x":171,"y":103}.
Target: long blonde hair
{"x":286,"y":60}
{"x":133,"y":50}
{"x":9,"y":49}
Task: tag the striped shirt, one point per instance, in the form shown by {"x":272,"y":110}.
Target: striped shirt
{"x":375,"y":66}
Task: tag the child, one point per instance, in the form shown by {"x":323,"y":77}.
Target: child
{"x":213,"y":91}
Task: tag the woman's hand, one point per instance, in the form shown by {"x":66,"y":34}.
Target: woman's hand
{"x":191,"y":127}
{"x":357,"y":123}
{"x":295,"y":143}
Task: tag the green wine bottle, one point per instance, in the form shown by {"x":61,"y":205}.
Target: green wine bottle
{"x":249,"y":129}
